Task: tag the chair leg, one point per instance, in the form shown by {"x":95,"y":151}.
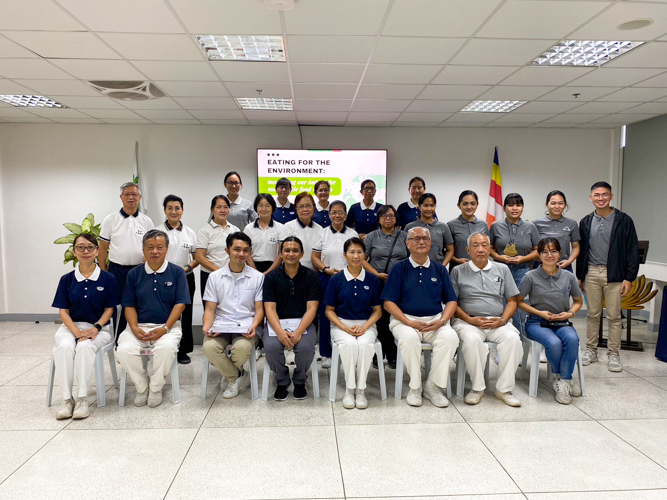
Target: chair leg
{"x":487,"y":369}
{"x":427,"y":362}
{"x":316,"y":378}
{"x":398,"y":390}
{"x":112,"y":367}
{"x":524,"y":360}
{"x":121,"y":390}
{"x":254,"y":390}
{"x":333,"y":373}
{"x":460,"y":374}
{"x":175,"y":383}
{"x":265,"y":381}
{"x":580,"y":368}
{"x":99,"y":380}
{"x":383,"y":383}
{"x":534,"y":368}
{"x":449,"y":385}
{"x":49,"y":384}
{"x":204,"y":378}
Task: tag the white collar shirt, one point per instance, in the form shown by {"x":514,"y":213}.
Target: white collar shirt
{"x":265,"y":242}
{"x":349,"y":277}
{"x":331,"y":245}
{"x":125,"y":233}
{"x":182,"y":244}
{"x":213,"y":238}
{"x":80,"y":277}
{"x":309,"y":236}
{"x":415,"y":265}
{"x":160,"y":270}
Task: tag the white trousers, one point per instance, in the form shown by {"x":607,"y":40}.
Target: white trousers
{"x":73,"y":357}
{"x":356,"y":353}
{"x":164,"y":353}
{"x":475,"y":352}
{"x":443,"y":340}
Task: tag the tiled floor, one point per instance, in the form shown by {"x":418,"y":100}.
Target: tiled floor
{"x":611,"y":445}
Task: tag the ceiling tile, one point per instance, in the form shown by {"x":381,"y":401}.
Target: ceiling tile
{"x":368,"y":124}
{"x":35,"y":15}
{"x":501,"y":52}
{"x":166,"y":70}
{"x":31,"y":119}
{"x":364,"y":116}
{"x":244,"y":71}
{"x":621,"y":77}
{"x":432,"y":106}
{"x":542,"y":75}
{"x":59,"y":87}
{"x":13,"y":88}
{"x":649,"y":55}
{"x":342,"y":17}
{"x":124,"y":114}
{"x":322,"y":104}
{"x":227,"y":17}
{"x":56,"y":113}
{"x":473,"y":117}
{"x":524,"y":117}
{"x":456,"y":124}
{"x":656,"y":81}
{"x":164,"y":114}
{"x":327,"y":73}
{"x":636,"y":94}
{"x":549,"y":124}
{"x":545,"y":19}
{"x":625,"y":118}
{"x":161,"y":103}
{"x":575,"y":118}
{"x":389,"y":91}
{"x":78,"y":120}
{"x":473,"y":75}
{"x":499,"y":124}
{"x":207,"y":102}
{"x":584,"y":93}
{"x":154,"y":47}
{"x":11,"y":49}
{"x":217,"y":114}
{"x":249,"y":89}
{"x":408,"y":50}
{"x":451,"y":18}
{"x":604,"y":26}
{"x":424,"y":117}
{"x":253,"y":114}
{"x":324,"y":90}
{"x":514,"y":93}
{"x":649,"y":107}
{"x":225,"y":122}
{"x":30,"y":68}
{"x":276,"y":123}
{"x":400,"y":73}
{"x":144,"y":16}
{"x":177,"y":122}
{"x":329,"y":49}
{"x":192,"y":89}
{"x":414,"y":124}
{"x":80,"y":102}
{"x":63,"y":45}
{"x":90,"y":69}
{"x":453,"y":91}
{"x":597,"y":125}
{"x":321,"y":116}
{"x":12,"y":112}
{"x":546,"y":107}
{"x":603,"y":107}
{"x":386,"y":105}
{"x":140,"y":121}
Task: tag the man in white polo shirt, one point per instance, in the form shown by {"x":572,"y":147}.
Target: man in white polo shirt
{"x":121,"y":237}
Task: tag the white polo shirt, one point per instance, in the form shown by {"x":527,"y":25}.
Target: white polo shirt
{"x":265,"y":242}
{"x":182,"y":244}
{"x":331,"y":245}
{"x":213,"y":238}
{"x":125,"y":233}
{"x":309,"y":236}
{"x":235,"y":297}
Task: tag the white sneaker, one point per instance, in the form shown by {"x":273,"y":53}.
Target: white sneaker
{"x":141,"y":398}
{"x":326,"y":362}
{"x":154,"y":398}
{"x":474,"y":397}
{"x":434,"y":394}
{"x":80,"y":409}
{"x":65,"y":410}
{"x":348,"y":401}
{"x":590,"y":356}
{"x":614,"y":362}
{"x":233,"y":389}
{"x":575,"y":390}
{"x":562,"y":391}
{"x":508,"y":398}
{"x":360,"y":401}
{"x":414,"y":397}
{"x":543,"y":356}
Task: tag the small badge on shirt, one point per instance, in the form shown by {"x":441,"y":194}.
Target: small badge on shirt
{"x":434,"y":280}
{"x":140,"y":232}
{"x":566,"y":228}
{"x":186,"y":246}
{"x":100,"y":288}
{"x":366,"y":287}
{"x":497,"y":279}
{"x":168,"y":283}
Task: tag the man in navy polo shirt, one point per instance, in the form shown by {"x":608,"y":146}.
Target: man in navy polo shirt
{"x":363,"y":217}
{"x":414,"y":294}
{"x":154,"y":298}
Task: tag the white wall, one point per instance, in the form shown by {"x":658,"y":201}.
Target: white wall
{"x":52,"y":174}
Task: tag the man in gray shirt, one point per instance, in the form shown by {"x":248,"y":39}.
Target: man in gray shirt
{"x":481,"y":316}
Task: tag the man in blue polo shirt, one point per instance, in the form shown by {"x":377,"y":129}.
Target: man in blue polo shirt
{"x":414,"y":294}
{"x":154,"y":298}
{"x":363,"y":216}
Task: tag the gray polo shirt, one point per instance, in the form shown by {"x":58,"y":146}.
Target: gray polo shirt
{"x":524,"y":235}
{"x":600,"y":236}
{"x":441,"y":236}
{"x":565,"y":230}
{"x":549,"y":293}
{"x":241,"y":213}
{"x":481,"y":291}
{"x":378,"y":243}
{"x":461,"y":229}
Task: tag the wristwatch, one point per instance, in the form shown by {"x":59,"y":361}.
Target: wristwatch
{"x":166,"y":327}
{"x":98,"y":326}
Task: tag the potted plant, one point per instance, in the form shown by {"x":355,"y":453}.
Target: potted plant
{"x":87,"y":226}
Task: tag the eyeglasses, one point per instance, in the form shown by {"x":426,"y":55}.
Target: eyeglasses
{"x":549,"y":252}
{"x":337,"y":212}
{"x":281,"y":188}
{"x":388,"y":216}
{"x":420,"y":239}
{"x":304,"y":207}
{"x":128,"y":196}
{"x":233,"y":184}
{"x":597,"y":196}
{"x":82,"y":249}
{"x":369,"y":190}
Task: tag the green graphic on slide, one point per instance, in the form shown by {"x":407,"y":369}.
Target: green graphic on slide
{"x":351,"y":191}
{"x":299,"y":185}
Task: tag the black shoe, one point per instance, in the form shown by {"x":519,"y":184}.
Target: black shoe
{"x":183,"y":359}
{"x":375,"y":362}
{"x":392,"y":364}
{"x":299,"y":391}
{"x":281,"y":393}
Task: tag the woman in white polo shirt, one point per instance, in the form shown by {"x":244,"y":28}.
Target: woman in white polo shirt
{"x":212,"y":240}
{"x":303,"y":227}
{"x":241,"y":211}
{"x":265,"y":235}
{"x":182,"y":246}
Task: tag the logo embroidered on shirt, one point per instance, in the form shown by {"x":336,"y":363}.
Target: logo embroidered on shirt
{"x":366,"y":287}
{"x":168,"y":283}
{"x":434,"y":280}
{"x":100,"y":288}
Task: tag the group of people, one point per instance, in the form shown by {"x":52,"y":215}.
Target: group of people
{"x":288,"y":276}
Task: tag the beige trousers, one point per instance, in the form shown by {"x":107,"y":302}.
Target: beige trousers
{"x":597,"y":288}
{"x":215,"y":351}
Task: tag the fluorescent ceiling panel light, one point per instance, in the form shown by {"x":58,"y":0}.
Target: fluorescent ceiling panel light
{"x":30,"y":101}
{"x":265,"y":103}
{"x":492,"y":106}
{"x":584,"y":53}
{"x":242,"y":47}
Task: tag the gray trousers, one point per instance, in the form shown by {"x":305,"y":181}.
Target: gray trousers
{"x":304,"y":352}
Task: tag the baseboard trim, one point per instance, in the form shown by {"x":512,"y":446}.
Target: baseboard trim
{"x":37,"y":318}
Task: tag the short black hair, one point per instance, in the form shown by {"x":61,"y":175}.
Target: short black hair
{"x":215,"y":199}
{"x":513,"y":199}
{"x":293,"y":239}
{"x":354,"y":241}
{"x":337,"y":202}
{"x":363,"y":183}
{"x":229,"y":174}
{"x":171,"y":197}
{"x":417,"y":179}
{"x":601,"y":184}
{"x":88,"y":237}
{"x":318,"y":183}
{"x":426,"y":196}
{"x":556,"y":192}
{"x":155,"y":233}
{"x":284,"y":181}
{"x":268,"y":198}
{"x":544,"y":242}
{"x":465,"y":193}
{"x":238,"y":235}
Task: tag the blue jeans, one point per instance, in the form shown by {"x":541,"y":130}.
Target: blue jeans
{"x":561,"y":346}
{"x":518,"y":272}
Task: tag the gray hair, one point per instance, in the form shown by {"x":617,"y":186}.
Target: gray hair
{"x":478,"y":233}
{"x":413,"y":229}
{"x":155,"y":233}
{"x":129,"y":185}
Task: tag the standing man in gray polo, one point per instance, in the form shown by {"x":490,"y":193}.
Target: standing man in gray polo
{"x":481,"y":285}
{"x":121,"y":237}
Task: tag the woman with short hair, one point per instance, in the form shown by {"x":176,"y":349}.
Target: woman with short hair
{"x":321,"y":215}
{"x":442,"y":243}
{"x":265,"y":235}
{"x":408,"y":211}
{"x":465,"y":225}
{"x":241,"y":211}
{"x":303,"y":227}
{"x":564,"y":229}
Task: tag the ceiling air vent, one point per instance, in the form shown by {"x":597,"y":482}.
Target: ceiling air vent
{"x":127,"y":91}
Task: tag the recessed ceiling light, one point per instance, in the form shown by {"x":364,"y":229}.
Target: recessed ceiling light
{"x":492,"y":106}
{"x":635,"y":24}
{"x":265,"y":103}
{"x":30,"y":101}
{"x":584,"y":52}
{"x":242,"y":47}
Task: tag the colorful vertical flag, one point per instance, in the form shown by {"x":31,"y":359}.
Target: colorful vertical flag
{"x":494,"y":210}
{"x":139,"y":180}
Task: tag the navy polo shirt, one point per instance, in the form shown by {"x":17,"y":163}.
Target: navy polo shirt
{"x":292,"y":295}
{"x":154,"y":294}
{"x":353,"y":298}
{"x":363,"y":220}
{"x":322,"y":217}
{"x":284,"y":214}
{"x":87,"y":298}
{"x":407,"y":213}
{"x":421,"y":290}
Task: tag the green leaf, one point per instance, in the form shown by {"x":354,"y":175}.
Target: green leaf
{"x":74,"y":228}
{"x":68,"y":240}
{"x":135,"y":179}
{"x":69,"y":254}
{"x":86,"y":226}
{"x":95,"y":232}
{"x":91,"y":218}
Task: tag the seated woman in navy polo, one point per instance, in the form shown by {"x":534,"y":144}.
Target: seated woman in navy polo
{"x":86,"y":298}
{"x":353,"y":306}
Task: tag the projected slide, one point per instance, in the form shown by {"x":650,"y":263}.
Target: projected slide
{"x":344,"y":169}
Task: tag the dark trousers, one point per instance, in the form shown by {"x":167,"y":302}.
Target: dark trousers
{"x":187,"y":343}
{"x":325,"y":324}
{"x":304,"y":352}
{"x":263,"y":266}
{"x":203,"y":278}
{"x":120,"y":273}
{"x":386,"y":338}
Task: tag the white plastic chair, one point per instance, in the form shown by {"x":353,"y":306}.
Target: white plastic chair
{"x":335,"y":365}
{"x":253,"y":374}
{"x":426,"y":349}
{"x":175,"y":385}
{"x":536,"y":348}
{"x":313,"y":374}
{"x":461,"y":368}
